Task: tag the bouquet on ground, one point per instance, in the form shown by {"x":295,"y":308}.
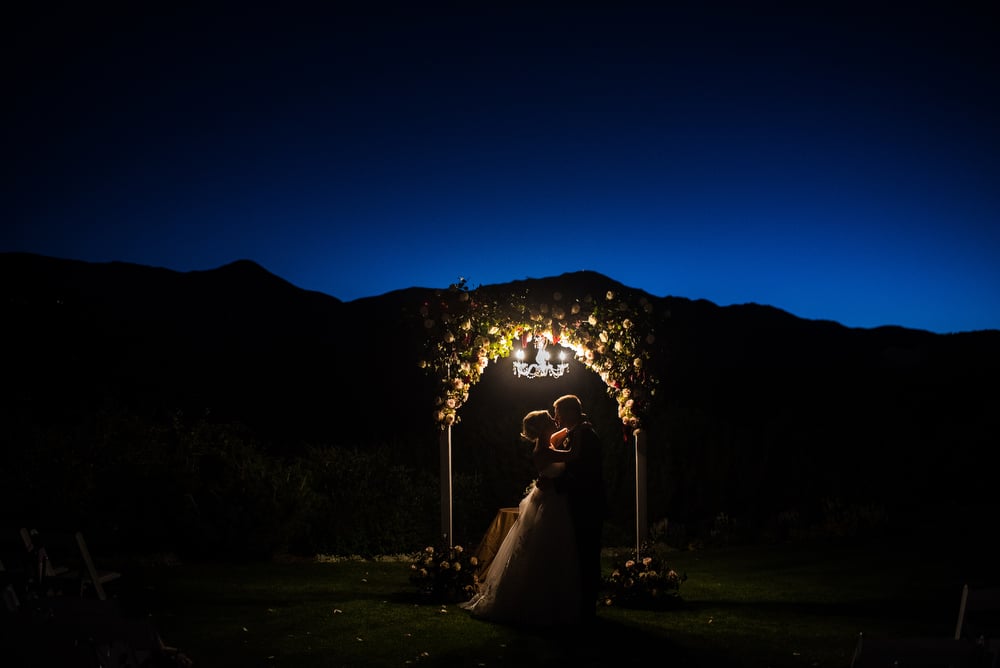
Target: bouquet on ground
{"x":445,"y":574}
{"x":642,"y":580}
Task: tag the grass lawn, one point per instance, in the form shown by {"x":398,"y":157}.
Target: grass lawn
{"x":779,"y":606}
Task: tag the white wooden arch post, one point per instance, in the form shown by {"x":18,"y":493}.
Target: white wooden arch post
{"x":446,"y":514}
{"x":641,"y":523}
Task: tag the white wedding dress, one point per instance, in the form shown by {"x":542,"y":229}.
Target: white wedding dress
{"x":534,"y":578}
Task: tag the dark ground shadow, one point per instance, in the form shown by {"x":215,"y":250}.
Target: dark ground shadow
{"x":604,"y":643}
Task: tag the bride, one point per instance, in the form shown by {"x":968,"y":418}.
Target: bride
{"x":534,"y":577}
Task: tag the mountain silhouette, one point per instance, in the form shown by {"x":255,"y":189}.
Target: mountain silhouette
{"x":758,"y":408}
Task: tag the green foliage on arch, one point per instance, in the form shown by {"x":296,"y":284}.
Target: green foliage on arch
{"x":612,"y":335}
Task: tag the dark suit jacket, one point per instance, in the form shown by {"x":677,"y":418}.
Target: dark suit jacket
{"x":583,"y":480}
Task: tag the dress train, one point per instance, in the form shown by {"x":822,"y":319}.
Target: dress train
{"x":534,"y":577}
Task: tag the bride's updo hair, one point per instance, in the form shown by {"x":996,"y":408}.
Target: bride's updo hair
{"x":534,"y":424}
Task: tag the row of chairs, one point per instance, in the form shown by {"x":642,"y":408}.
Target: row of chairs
{"x":47,"y":563}
{"x":975,"y":644}
{"x":57,"y":611}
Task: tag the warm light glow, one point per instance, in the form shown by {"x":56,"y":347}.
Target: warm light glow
{"x":541,"y":365}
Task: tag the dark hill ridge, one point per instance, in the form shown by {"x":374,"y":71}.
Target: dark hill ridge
{"x":229,"y":340}
{"x":241,"y":315}
{"x":759,"y":407}
{"x":139,"y":291}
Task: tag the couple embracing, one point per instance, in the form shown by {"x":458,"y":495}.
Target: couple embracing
{"x":547,"y":570}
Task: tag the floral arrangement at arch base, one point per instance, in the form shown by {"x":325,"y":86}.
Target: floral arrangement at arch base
{"x":444,"y":574}
{"x":643,"y":580}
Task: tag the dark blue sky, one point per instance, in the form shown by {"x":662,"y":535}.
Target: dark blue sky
{"x":837,"y":163}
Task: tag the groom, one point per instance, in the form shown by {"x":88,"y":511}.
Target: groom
{"x":583,"y":484}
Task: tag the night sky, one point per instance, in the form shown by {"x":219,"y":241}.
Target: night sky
{"x":838,"y":161}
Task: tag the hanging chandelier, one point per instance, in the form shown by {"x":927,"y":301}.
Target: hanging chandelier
{"x":541,"y":366}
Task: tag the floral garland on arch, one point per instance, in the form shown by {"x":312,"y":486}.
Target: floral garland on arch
{"x":611,"y":335}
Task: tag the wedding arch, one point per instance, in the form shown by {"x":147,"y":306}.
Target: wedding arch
{"x":611,"y":334}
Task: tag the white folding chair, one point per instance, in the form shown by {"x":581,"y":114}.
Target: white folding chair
{"x":979,"y":619}
{"x":94,"y":577}
{"x":64,"y":557}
